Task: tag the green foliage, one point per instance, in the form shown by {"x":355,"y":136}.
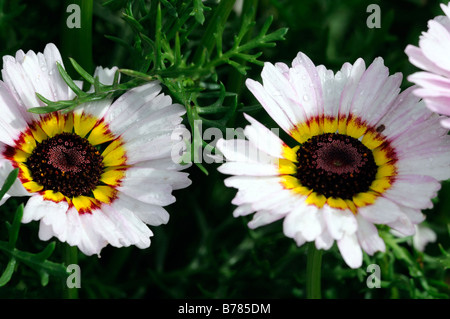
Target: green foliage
{"x":164,"y":51}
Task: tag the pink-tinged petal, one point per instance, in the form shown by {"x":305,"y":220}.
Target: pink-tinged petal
{"x":282,"y":91}
{"x":368,"y":236}
{"x":350,"y":250}
{"x":435,"y":83}
{"x":332,"y":87}
{"x":436,"y":166}
{"x":383,"y":211}
{"x":438,"y":103}
{"x":305,"y":80}
{"x":355,"y":73}
{"x":417,"y":58}
{"x":403,"y":225}
{"x":435,"y":44}
{"x":415,"y":215}
{"x":375,"y":93}
{"x":271,"y":106}
{"x":415,"y":191}
{"x":404,"y":113}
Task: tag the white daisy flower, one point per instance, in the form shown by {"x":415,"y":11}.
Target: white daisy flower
{"x":363,"y":155}
{"x":97,"y":175}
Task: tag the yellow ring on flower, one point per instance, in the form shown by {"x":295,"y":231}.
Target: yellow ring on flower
{"x":85,"y":126}
{"x":383,"y":155}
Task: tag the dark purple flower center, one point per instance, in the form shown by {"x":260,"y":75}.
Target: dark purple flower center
{"x":335,"y":165}
{"x":66,"y":163}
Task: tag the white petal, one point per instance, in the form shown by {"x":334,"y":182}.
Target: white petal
{"x":150,"y":147}
{"x":305,"y":220}
{"x":368,"y":236}
{"x":423,"y":236}
{"x":299,"y":239}
{"x":105,"y":75}
{"x":253,"y":188}
{"x":249,"y":169}
{"x":176,"y":180}
{"x":262,"y":218}
{"x":350,"y":250}
{"x":81,"y":232}
{"x":339,"y":222}
{"x":133,"y":230}
{"x":239,"y":150}
{"x":263,"y":138}
{"x":13,"y":119}
{"x":165,"y":119}
{"x":243,"y":210}
{"x":151,"y":193}
{"x":52,"y":56}
{"x":17,"y":188}
{"x":132,"y":105}
{"x":324,"y":241}
{"x":150,"y":214}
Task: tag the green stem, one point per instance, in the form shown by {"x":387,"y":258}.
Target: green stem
{"x":313,"y":272}
{"x":70,"y":255}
